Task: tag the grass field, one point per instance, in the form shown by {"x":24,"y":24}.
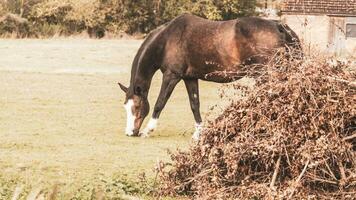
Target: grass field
{"x":62,"y":120}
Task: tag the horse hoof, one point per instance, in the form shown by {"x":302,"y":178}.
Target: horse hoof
{"x":144,"y":135}
{"x":129,"y":134}
{"x":146,"y":132}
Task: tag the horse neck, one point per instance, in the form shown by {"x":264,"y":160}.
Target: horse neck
{"x":142,"y":79}
{"x":147,"y":61}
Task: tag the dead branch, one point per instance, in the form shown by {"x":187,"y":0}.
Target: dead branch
{"x":296,"y":183}
{"x":349,"y":137}
{"x":350,"y":83}
{"x":275,"y":173}
{"x":330,"y":171}
{"x":342,"y":173}
{"x":322,"y":180}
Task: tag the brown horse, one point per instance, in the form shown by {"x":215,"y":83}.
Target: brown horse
{"x":190,"y":48}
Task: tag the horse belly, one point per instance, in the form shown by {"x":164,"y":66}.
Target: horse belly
{"x":219,"y":64}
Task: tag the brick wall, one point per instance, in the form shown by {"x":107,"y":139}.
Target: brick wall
{"x":328,"y":7}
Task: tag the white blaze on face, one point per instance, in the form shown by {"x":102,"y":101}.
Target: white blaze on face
{"x":130,"y":123}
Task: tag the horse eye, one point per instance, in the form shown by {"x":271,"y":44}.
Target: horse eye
{"x":138,"y":90}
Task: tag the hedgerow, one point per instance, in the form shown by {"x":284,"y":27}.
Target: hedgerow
{"x":67,"y":17}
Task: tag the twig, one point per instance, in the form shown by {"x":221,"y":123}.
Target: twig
{"x":349,"y":137}
{"x":17,"y":193}
{"x":34,"y":194}
{"x":156,"y":175}
{"x":275,"y":173}
{"x":203,"y":173}
{"x":53,"y":193}
{"x":330,"y":171}
{"x":350,"y":83}
{"x":342,"y":173}
{"x":299,"y":178}
{"x":287,"y":155}
{"x":304,"y":170}
{"x":322,"y":180}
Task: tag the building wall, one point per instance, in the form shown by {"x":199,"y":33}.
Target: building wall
{"x":351,"y":42}
{"x":322,"y":33}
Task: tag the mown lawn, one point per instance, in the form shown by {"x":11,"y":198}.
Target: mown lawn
{"x":62,"y":120}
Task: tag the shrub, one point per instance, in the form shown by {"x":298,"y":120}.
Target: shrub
{"x":86,"y":16}
{"x":50,"y":18}
{"x":210,"y":9}
{"x":2,"y":10}
{"x":52,"y":12}
{"x":19,"y":7}
{"x":100,"y":16}
{"x":13,"y":24}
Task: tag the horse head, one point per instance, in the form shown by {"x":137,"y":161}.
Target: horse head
{"x":137,"y":108}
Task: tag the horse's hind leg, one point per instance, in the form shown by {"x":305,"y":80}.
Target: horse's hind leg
{"x":169,"y":82}
{"x":193,"y":93}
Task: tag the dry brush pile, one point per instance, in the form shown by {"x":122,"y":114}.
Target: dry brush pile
{"x":293,"y":136}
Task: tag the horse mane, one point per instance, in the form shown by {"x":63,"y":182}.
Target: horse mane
{"x":150,"y":38}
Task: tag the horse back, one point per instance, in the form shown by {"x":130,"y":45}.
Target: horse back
{"x":197,"y":46}
{"x":193,"y":47}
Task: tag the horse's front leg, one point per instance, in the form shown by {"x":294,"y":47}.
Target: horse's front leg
{"x":193,"y":93}
{"x":169,"y":82}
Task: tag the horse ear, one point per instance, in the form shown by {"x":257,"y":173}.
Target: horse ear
{"x":123,"y":88}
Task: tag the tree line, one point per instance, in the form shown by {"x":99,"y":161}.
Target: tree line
{"x":45,"y":18}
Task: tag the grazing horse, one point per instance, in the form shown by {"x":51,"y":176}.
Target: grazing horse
{"x":190,"y":48}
